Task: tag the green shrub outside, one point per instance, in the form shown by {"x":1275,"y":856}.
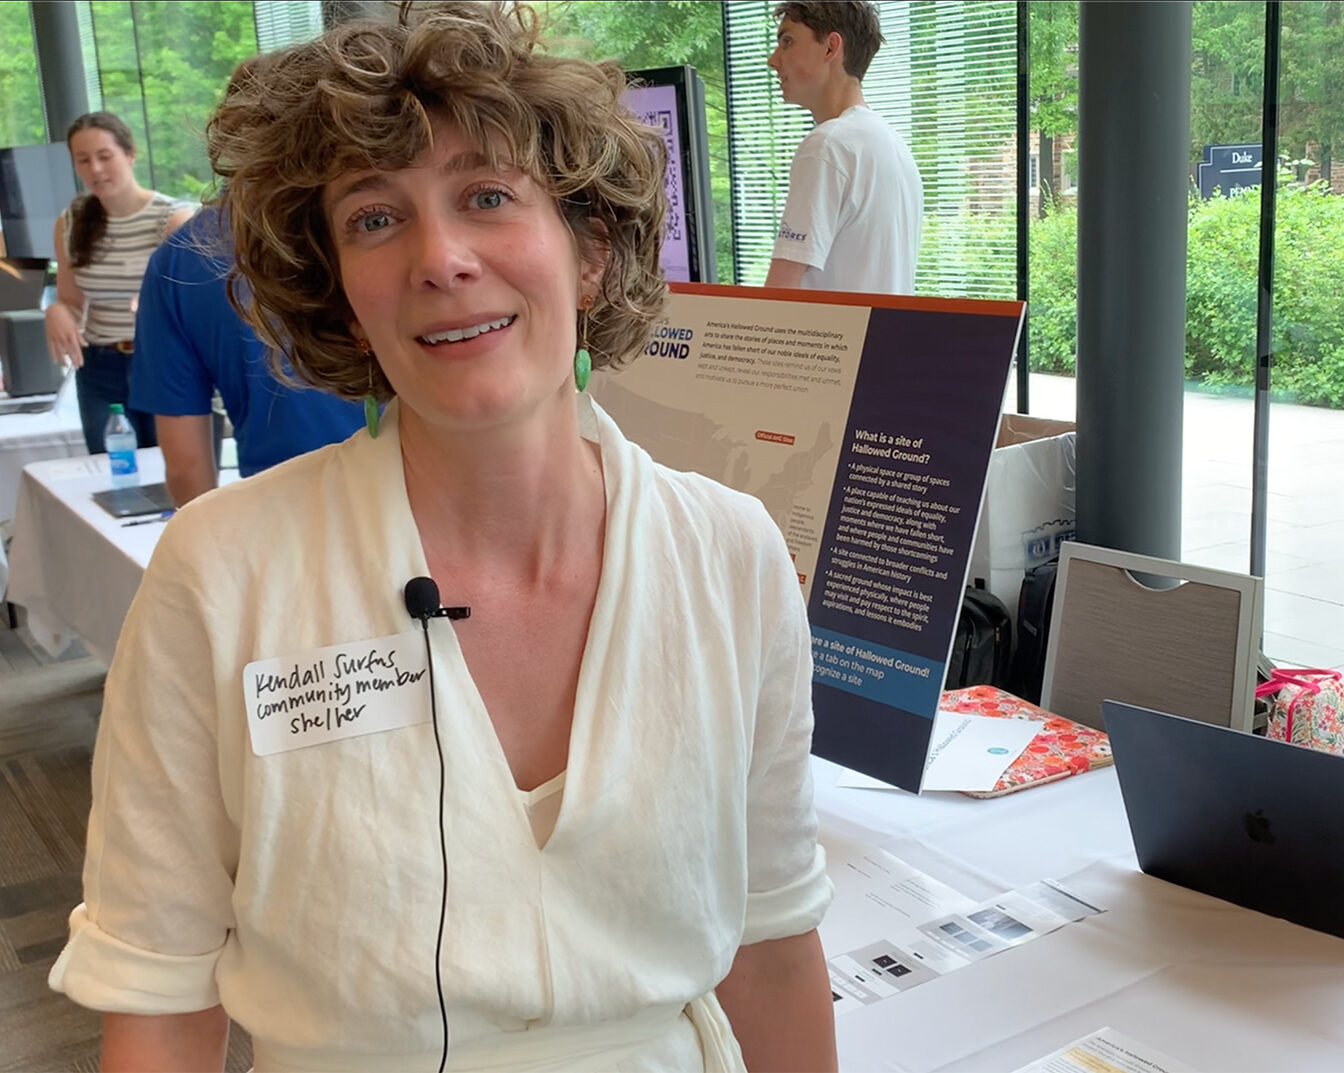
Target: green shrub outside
{"x":1053,"y":278}
{"x":968,"y":255}
{"x":1221,"y":283}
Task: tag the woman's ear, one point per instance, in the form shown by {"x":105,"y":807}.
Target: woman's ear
{"x":594,"y":253}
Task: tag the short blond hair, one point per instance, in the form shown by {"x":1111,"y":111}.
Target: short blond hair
{"x":365,"y":95}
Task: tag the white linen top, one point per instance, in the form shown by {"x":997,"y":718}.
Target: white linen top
{"x":303,"y":889}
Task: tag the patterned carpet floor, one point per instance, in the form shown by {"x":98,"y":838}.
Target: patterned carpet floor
{"x":48,"y":719}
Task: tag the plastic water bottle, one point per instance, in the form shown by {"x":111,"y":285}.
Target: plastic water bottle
{"x":119,"y":438}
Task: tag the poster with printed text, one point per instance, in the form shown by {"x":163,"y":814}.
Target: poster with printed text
{"x":864,"y":423}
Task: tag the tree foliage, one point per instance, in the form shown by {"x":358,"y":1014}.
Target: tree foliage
{"x":1227,"y":74}
{"x":1053,"y":57}
{"x":163,"y":67}
{"x":20,"y":98}
{"x":1227,"y":83}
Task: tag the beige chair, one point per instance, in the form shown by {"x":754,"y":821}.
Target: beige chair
{"x":1189,"y":650}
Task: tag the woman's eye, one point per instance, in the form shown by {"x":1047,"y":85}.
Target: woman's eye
{"x":488,"y":199}
{"x":373,"y":221}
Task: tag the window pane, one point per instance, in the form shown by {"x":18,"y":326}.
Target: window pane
{"x":161,"y":68}
{"x":764,"y":134}
{"x":1223,"y":229}
{"x":946,"y":81}
{"x":89,"y":53}
{"x":1052,"y":279}
{"x":20,"y":97}
{"x":286,"y":22}
{"x":1304,"y":570}
{"x":187,"y":50}
{"x":119,"y":75}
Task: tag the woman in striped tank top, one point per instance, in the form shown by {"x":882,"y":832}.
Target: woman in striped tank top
{"x":103,"y":241}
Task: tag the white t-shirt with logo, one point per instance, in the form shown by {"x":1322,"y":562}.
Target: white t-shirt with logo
{"x":855,"y":207}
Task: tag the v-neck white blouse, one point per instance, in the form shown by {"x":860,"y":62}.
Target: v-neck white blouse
{"x":303,"y":889}
{"x":543,"y":806}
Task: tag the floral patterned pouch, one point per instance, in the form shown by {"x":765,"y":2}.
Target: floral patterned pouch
{"x":1061,"y":747}
{"x":1307,"y":707}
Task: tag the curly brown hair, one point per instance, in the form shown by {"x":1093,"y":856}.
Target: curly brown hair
{"x":365,"y":95}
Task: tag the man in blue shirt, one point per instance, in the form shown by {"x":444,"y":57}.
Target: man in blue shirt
{"x":188,"y":342}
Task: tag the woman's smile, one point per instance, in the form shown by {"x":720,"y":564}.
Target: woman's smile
{"x":452,"y":340}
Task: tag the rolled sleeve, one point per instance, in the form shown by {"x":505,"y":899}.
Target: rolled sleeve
{"x":101,"y":972}
{"x":788,"y":890}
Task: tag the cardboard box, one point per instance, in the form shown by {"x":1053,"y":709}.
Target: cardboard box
{"x":1029,"y":506}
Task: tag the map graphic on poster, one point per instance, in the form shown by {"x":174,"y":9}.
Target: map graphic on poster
{"x":866,"y":431}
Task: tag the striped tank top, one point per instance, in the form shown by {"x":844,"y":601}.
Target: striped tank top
{"x":112,"y":277}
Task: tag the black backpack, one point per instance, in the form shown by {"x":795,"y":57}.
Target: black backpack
{"x":982,"y":644}
{"x":1033,"y":631}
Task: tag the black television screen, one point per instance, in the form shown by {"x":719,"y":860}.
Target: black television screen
{"x":672,"y":99}
{"x":36,"y":184}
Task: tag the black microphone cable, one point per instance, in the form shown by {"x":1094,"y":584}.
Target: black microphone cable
{"x":418,"y":595}
{"x":443,"y":849}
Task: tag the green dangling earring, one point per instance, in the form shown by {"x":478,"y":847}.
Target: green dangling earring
{"x":583,"y":367}
{"x":370,"y":400}
{"x":583,"y":361}
{"x":371,"y":416}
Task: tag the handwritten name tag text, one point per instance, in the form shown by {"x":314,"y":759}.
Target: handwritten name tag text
{"x":336,"y":692}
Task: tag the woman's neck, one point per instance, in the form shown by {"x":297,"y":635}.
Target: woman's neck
{"x":519,"y":500}
{"x":127,"y":202}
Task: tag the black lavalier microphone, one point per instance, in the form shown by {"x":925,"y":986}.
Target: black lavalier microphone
{"x":422,"y":603}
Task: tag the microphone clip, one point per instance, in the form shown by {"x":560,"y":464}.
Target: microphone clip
{"x":422,"y":602}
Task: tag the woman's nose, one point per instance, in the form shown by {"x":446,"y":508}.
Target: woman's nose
{"x":445,"y":253}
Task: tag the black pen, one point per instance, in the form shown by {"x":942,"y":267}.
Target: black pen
{"x":149,"y":521}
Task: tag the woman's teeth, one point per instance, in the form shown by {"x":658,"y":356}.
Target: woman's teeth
{"x":457,"y":335}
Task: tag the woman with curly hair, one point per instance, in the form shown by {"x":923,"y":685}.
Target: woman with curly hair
{"x":596,"y":847}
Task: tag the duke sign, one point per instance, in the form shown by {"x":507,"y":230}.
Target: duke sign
{"x":1229,"y":169}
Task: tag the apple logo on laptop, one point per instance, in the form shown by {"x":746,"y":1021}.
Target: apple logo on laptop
{"x":1257,"y":827}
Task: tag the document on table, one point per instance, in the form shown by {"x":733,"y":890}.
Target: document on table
{"x":966,"y":752}
{"x":1106,"y":1051}
{"x":892,"y":927}
{"x":81,"y":466}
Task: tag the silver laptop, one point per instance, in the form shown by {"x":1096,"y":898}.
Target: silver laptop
{"x":1252,"y":821}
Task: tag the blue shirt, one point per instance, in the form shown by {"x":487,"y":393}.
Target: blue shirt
{"x":189,"y":341}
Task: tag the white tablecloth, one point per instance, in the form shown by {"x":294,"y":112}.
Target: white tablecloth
{"x":1209,"y":983}
{"x":26,"y":438}
{"x":73,"y":566}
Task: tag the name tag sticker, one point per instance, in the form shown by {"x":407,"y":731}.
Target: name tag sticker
{"x":341,"y":691}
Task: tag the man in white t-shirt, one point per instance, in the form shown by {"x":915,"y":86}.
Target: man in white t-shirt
{"x":855,"y":207}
